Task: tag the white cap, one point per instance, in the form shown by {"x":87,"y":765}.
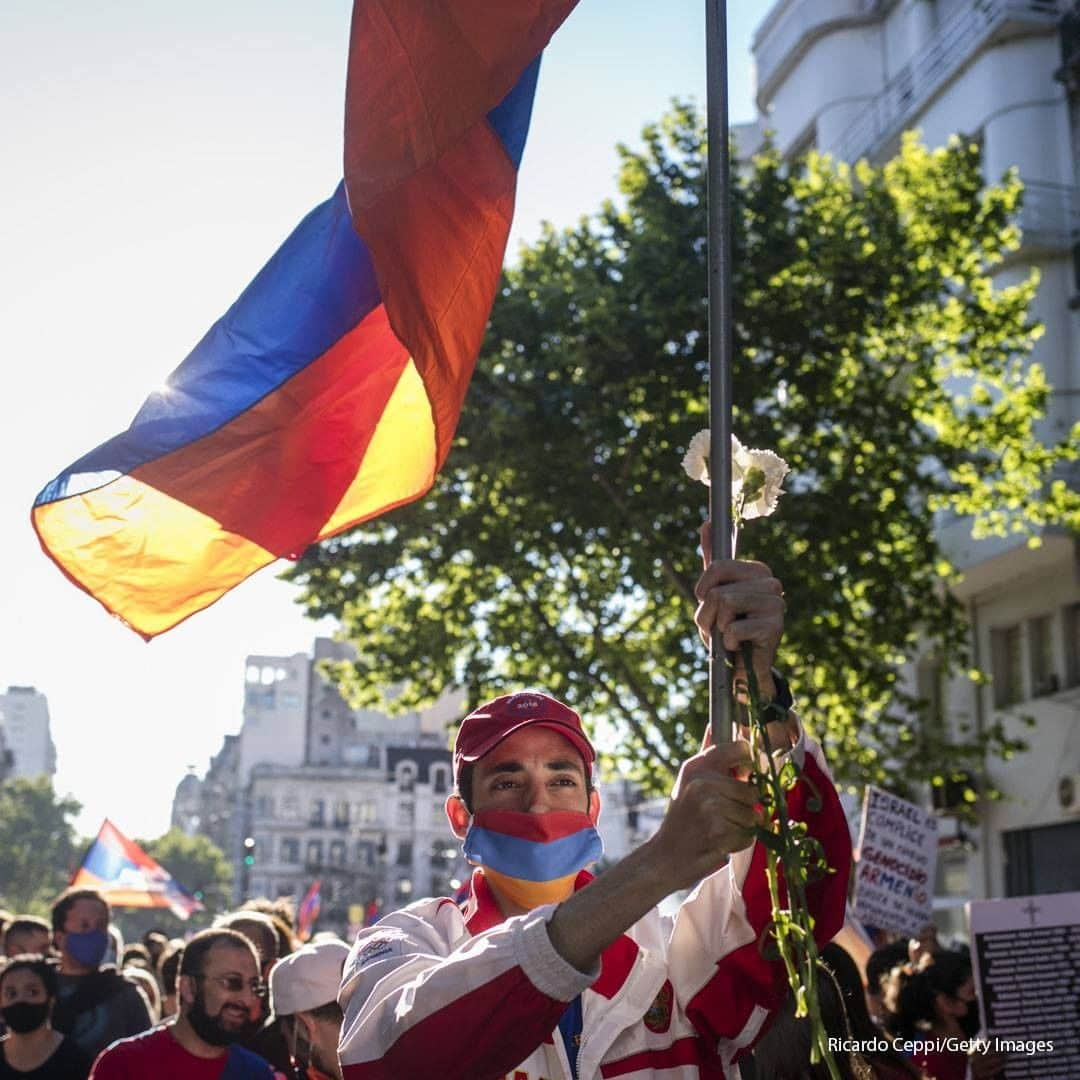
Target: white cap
{"x":307,"y":978}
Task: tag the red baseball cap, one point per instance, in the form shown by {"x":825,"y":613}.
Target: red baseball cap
{"x":485,"y":727}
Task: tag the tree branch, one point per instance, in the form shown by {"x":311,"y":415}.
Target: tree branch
{"x":681,"y":586}
{"x":572,"y":659}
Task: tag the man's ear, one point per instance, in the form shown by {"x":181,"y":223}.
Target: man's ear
{"x":594,"y":805}
{"x":307,"y":1022}
{"x":457,"y":813}
{"x":185,"y":989}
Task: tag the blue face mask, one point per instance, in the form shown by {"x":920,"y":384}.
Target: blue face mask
{"x":87,"y":948}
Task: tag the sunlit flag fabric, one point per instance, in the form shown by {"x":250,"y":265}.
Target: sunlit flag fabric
{"x":128,"y":877}
{"x":329,"y":392}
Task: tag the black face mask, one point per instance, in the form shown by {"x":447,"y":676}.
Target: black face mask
{"x":25,"y":1016}
{"x":212,"y":1031}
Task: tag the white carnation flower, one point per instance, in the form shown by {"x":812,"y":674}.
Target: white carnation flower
{"x":756,"y":475}
{"x":696,"y":461}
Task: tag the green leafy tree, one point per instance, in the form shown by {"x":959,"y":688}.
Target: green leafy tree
{"x":200,"y":866}
{"x":874,"y":351}
{"x":38,"y":848}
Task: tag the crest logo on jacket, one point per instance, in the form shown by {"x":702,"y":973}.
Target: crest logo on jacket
{"x":658,"y":1016}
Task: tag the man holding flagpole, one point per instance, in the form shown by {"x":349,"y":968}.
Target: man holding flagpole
{"x":546,"y":972}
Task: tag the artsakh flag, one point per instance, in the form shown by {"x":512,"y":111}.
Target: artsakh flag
{"x":128,"y":877}
{"x":329,"y":392}
{"x":309,"y":909}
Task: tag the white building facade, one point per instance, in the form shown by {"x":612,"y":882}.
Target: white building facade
{"x":311,"y":790}
{"x":24,"y":718}
{"x":847,"y":77}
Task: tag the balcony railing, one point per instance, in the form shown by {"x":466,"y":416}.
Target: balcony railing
{"x":953,"y":44}
{"x":1050,"y":215}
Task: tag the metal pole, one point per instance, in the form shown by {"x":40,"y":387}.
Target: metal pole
{"x":721,"y":706}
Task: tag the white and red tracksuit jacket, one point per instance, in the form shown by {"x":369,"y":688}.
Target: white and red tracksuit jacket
{"x":436,"y":991}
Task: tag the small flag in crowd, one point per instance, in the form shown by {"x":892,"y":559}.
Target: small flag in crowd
{"x":309,"y":909}
{"x":128,"y":877}
{"x":372,"y":913}
{"x":329,"y":392}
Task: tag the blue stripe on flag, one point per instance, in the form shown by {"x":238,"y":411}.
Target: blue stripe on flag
{"x":317,"y":286}
{"x":510,"y":118}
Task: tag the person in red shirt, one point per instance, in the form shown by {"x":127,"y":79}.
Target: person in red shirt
{"x":219,"y":990}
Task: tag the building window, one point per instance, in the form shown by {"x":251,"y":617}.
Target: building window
{"x":290,"y":806}
{"x":930,"y":686}
{"x":404,"y":853}
{"x":337,"y":852}
{"x":365,"y":812}
{"x":443,"y":854}
{"x":341,"y":814}
{"x":403,"y":890}
{"x":1005,"y":661}
{"x":290,"y":850}
{"x":406,"y":812}
{"x":318,"y":813}
{"x":1071,"y":619}
{"x":1044,"y":678}
{"x":373,"y":757}
{"x":264,"y":806}
{"x":440,"y":779}
{"x":406,"y":776}
{"x":365,"y":853}
{"x":314,"y":853}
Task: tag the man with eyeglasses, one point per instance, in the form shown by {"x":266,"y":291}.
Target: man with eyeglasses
{"x":219,"y":992}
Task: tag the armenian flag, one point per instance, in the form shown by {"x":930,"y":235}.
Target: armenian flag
{"x":329,"y":392}
{"x":128,"y":877}
{"x":309,"y":909}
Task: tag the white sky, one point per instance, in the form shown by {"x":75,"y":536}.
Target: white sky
{"x":154,"y":156}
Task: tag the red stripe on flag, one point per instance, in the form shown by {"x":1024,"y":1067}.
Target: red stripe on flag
{"x":422,"y":71}
{"x":279,"y":492}
{"x":437,"y":241}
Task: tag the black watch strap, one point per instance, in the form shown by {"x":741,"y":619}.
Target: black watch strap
{"x":783,"y":701}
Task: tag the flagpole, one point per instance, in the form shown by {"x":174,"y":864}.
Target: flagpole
{"x":721,"y":707}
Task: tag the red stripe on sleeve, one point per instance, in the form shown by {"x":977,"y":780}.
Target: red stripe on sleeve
{"x":616,"y":962}
{"x":483,"y":1034}
{"x":688,"y":1051}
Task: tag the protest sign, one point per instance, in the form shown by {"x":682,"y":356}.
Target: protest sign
{"x":894,"y":875}
{"x":1026,"y":957}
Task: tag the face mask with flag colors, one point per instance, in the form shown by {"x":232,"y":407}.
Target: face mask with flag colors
{"x":532,"y":859}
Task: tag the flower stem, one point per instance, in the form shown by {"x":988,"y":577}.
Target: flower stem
{"x":787,"y":848}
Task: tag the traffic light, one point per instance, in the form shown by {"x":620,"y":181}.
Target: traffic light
{"x":249,"y":850}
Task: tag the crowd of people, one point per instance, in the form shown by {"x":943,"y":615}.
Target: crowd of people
{"x":243,"y":1000}
{"x":542,"y":971}
{"x":246,"y":999}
